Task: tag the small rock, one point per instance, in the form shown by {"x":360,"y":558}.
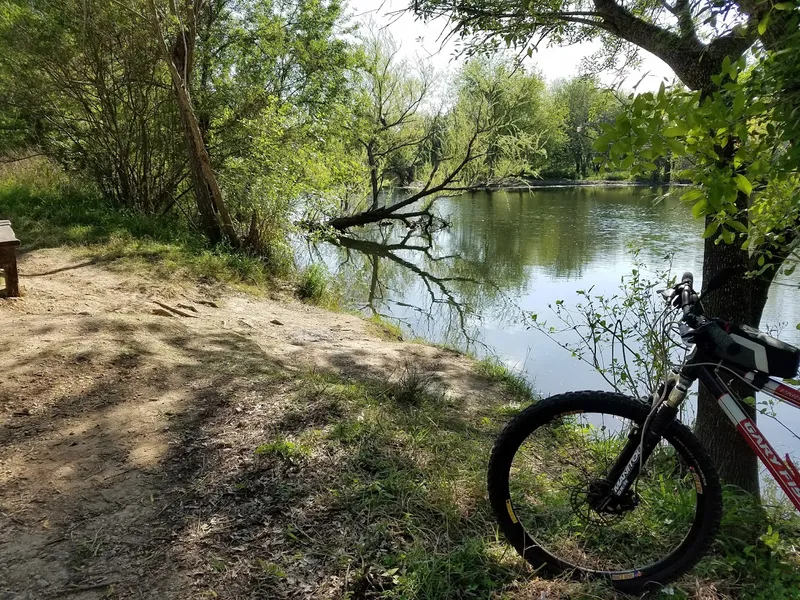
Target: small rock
{"x":208,"y":303}
{"x":162,"y":313}
{"x":42,"y":583}
{"x":276,"y":322}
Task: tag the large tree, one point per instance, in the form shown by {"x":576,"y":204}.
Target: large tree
{"x":695,"y":38}
{"x":403,"y":133}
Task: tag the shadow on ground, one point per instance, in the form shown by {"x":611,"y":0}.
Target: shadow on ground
{"x":144,"y":460}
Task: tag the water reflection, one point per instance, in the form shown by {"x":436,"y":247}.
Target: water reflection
{"x":506,"y":253}
{"x":509,"y":253}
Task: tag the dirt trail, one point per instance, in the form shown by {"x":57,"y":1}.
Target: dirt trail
{"x":106,"y":405}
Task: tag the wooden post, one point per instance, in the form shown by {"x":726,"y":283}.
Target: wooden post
{"x":8,"y":259}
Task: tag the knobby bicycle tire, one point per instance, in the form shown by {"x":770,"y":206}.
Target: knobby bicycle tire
{"x":708,"y":509}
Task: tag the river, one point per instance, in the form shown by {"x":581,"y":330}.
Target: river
{"x":511,"y":253}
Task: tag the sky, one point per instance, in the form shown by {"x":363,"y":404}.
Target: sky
{"x":422,"y":39}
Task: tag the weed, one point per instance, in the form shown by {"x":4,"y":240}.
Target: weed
{"x":756,"y":555}
{"x":415,"y":386}
{"x":315,"y":286}
{"x":385,"y":329}
{"x":285,"y":449}
{"x":271,"y":569}
{"x":514,"y":383}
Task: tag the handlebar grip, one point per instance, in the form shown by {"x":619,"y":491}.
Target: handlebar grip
{"x":726,"y":346}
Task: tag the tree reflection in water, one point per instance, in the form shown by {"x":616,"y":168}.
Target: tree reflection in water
{"x":450,"y":290}
{"x":506,"y":251}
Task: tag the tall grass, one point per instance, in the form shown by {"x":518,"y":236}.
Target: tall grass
{"x":49,"y":209}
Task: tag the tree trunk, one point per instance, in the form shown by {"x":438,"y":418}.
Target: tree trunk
{"x":373,"y":175}
{"x":735,"y":301}
{"x":214,"y":213}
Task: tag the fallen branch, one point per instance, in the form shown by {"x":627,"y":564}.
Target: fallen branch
{"x":177,"y":311}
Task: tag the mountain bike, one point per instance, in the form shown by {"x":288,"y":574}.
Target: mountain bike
{"x":600,"y":485}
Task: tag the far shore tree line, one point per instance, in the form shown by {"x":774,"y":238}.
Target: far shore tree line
{"x":249,"y":117}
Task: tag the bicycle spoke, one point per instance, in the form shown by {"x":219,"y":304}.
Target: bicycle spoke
{"x":551,"y":481}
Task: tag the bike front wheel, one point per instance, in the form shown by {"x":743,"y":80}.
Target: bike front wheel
{"x":554,"y":455}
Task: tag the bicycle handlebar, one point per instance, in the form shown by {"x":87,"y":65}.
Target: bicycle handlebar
{"x":725,"y":345}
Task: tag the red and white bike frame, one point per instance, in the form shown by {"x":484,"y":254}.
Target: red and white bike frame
{"x":782,"y":469}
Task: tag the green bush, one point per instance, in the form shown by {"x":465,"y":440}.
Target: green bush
{"x":49,"y":209}
{"x":313,"y":285}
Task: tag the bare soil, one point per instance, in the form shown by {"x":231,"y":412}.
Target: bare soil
{"x":118,"y":416}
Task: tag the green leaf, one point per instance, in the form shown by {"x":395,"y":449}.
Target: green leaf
{"x":627,"y":162}
{"x":692,"y":195}
{"x":738,"y":103}
{"x":711,"y":229}
{"x":699,"y":209}
{"x":676,"y":130}
{"x":726,"y":64}
{"x":727,"y":236}
{"x":601,"y":143}
{"x":762,"y":26}
{"x":738,"y":226}
{"x":743,"y":183}
{"x":677,"y":147}
{"x":784,"y":6}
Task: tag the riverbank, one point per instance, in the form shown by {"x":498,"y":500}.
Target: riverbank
{"x":576,"y":183}
{"x":172,"y":439}
{"x":172,"y":427}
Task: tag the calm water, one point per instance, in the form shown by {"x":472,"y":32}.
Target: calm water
{"x":511,"y":253}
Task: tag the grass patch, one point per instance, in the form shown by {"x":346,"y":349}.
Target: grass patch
{"x":410,"y":489}
{"x":756,"y":554}
{"x":285,"y":449}
{"x":385,"y":329}
{"x":48,"y":210}
{"x":516,"y":385}
{"x":314,"y":285}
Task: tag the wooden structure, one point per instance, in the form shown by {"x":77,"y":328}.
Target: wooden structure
{"x":8,"y":258}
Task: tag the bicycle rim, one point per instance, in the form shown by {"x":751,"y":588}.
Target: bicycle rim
{"x":555,"y":470}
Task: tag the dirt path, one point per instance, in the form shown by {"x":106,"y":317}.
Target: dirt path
{"x":107,"y":408}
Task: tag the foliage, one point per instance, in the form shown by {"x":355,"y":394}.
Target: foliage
{"x":741,"y":147}
{"x":514,"y":382}
{"x":313,"y":285}
{"x":88,"y":85}
{"x":626,"y":337}
{"x":587,"y":106}
{"x":519,"y":119}
{"x":407,"y":140}
{"x":269,"y":79}
{"x":84,"y":80}
{"x":49,"y":209}
{"x":755,"y":555}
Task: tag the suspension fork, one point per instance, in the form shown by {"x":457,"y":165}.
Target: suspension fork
{"x":638,"y":449}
